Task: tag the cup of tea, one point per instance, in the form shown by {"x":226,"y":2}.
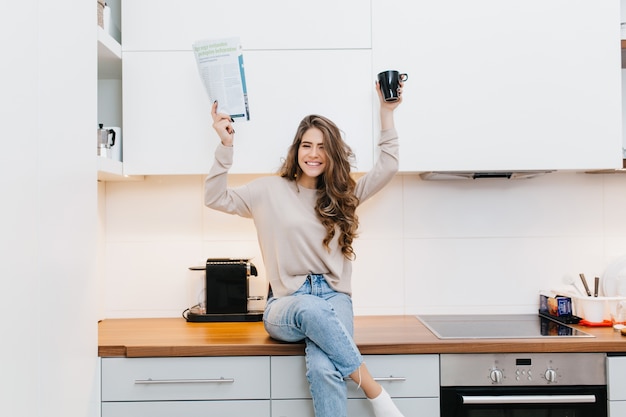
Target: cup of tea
{"x":389,"y":82}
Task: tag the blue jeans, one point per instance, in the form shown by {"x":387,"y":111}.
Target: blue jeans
{"x":323,"y":318}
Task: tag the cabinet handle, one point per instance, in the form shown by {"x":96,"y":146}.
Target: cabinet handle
{"x":383,"y":378}
{"x":151,"y":381}
{"x":390,"y":378}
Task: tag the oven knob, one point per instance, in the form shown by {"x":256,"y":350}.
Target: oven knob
{"x":550,"y":375}
{"x":496,"y":375}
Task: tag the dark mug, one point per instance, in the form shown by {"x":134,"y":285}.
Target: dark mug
{"x":389,"y":82}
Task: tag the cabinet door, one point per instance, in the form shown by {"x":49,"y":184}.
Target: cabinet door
{"x":292,"y":408}
{"x":400,"y":375}
{"x":167,"y":121}
{"x":403,"y":375}
{"x":504,"y":85}
{"x":162,"y":379}
{"x":410,"y":407}
{"x":151,"y":25}
{"x":616,"y":378}
{"x":617,"y":408}
{"x":186,"y":408}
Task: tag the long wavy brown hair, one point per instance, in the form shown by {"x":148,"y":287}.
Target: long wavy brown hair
{"x":336,"y":202}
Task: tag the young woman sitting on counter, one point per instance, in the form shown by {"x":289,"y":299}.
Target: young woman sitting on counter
{"x":306,"y":222}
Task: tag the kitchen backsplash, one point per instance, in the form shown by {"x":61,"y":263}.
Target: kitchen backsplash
{"x":424,"y":247}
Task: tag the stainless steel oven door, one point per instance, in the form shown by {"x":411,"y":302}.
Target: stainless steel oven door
{"x":529,"y":401}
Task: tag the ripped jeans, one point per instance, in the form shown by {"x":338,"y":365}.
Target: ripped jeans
{"x":323,"y":318}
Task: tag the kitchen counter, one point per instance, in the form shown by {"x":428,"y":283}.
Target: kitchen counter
{"x":174,"y":337}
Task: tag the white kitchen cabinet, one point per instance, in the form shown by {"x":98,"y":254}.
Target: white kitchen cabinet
{"x":298,"y":61}
{"x":109,"y":99}
{"x":167,"y":121}
{"x":187,"y":408}
{"x":166,"y":387}
{"x":254,"y":385}
{"x":617,"y":409}
{"x":411,"y":380}
{"x":110,"y":95}
{"x":616,"y":381}
{"x":187,"y":378}
{"x":162,"y":25}
{"x":493,"y":86}
{"x":409,"y":407}
{"x":514,"y":85}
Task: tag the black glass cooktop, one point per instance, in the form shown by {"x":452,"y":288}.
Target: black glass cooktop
{"x":502,"y":326}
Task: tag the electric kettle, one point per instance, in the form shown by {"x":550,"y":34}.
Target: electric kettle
{"x":104,"y":148}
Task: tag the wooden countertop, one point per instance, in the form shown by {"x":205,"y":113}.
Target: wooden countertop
{"x":373,"y":334}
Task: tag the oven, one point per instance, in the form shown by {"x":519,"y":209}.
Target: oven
{"x":523,"y":385}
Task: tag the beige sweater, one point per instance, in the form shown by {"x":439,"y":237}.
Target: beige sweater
{"x":289,"y":231}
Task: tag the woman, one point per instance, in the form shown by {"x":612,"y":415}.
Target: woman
{"x":306,"y":223}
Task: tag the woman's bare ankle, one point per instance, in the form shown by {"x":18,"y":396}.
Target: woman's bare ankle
{"x":366,"y":382}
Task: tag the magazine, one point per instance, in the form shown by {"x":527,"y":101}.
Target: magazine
{"x":220,"y":64}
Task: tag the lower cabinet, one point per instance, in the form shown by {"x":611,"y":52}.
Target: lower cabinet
{"x":617,"y":408}
{"x":411,"y":380}
{"x":616,"y":381}
{"x":183,"y":408}
{"x":174,"y":387}
{"x":262,"y":386}
{"x":410,"y":407}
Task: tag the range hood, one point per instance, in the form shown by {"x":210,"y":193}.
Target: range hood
{"x":476,"y":175}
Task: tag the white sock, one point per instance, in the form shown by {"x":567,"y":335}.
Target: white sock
{"x":383,"y":406}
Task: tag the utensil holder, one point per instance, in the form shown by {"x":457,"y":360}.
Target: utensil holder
{"x":596,"y":309}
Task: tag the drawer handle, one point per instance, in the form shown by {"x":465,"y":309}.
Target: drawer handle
{"x":151,"y":381}
{"x":383,"y":378}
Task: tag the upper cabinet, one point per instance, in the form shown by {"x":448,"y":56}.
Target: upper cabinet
{"x":161,"y":25}
{"x":493,"y":85}
{"x":109,"y":100}
{"x":167,"y":121}
{"x":504,"y":85}
{"x":110,"y":90}
{"x":298,"y":61}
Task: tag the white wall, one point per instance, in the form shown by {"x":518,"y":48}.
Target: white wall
{"x":483,"y":246}
{"x":48,"y":322}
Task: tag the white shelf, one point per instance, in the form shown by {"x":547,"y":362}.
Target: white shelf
{"x":113,"y":170}
{"x":109,"y":56}
{"x":110,"y":68}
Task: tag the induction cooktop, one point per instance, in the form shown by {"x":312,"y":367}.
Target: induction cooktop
{"x":501,"y":326}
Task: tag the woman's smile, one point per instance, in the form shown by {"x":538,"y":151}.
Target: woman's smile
{"x":311,"y":157}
